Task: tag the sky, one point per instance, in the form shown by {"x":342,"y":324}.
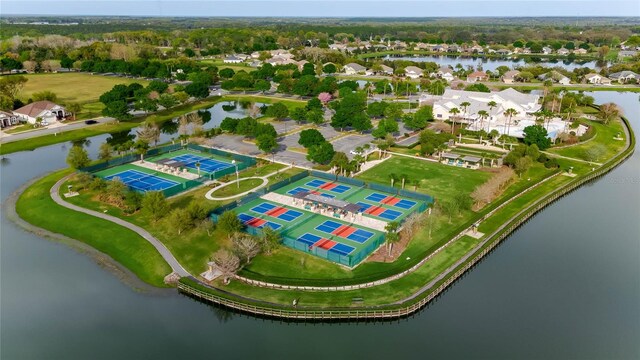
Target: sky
{"x":327,"y":8}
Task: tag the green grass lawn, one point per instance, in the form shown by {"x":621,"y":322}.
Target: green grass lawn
{"x":238,"y":188}
{"x":123,"y":245}
{"x":442,"y":182}
{"x":74,"y":87}
{"x":235,"y":67}
{"x":604,"y":135}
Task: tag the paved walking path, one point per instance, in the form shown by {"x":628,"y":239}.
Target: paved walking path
{"x":570,"y":158}
{"x":164,"y":252}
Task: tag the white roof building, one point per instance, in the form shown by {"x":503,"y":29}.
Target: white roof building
{"x":524,"y":104}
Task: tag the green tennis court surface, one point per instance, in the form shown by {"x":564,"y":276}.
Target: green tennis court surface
{"x":143,"y":179}
{"x":375,"y":204}
{"x":330,"y":235}
{"x":197,"y":162}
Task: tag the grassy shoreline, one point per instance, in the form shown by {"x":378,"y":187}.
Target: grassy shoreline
{"x":78,"y":134}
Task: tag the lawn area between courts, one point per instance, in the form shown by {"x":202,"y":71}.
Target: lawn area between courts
{"x":123,"y":245}
{"x":77,"y":87}
{"x":442,"y":182}
{"x":235,"y":189}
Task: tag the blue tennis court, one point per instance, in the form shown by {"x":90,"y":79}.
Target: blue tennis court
{"x":390,"y":214}
{"x":277,"y":212}
{"x":143,"y":182}
{"x":391,"y":200}
{"x":345,"y":231}
{"x":405,"y":204}
{"x":387,"y":214}
{"x":315,"y":183}
{"x":206,"y":164}
{"x":377,"y":197}
{"x":263,"y":208}
{"x":257,"y":222}
{"x":330,"y":186}
{"x":297,"y":190}
{"x":342,"y":249}
{"x":329,"y":245}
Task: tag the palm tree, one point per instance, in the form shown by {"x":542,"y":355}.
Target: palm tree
{"x":415,"y":183}
{"x":198,"y":167}
{"x":483,"y":114}
{"x":510,"y":113}
{"x":454,"y":112}
{"x":491,"y":104}
{"x":392,"y":235}
{"x":393,"y":177}
{"x":465,"y":105}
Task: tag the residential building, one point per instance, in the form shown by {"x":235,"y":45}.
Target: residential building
{"x":386,"y":70}
{"x":624,"y":76}
{"x":354,"y":69}
{"x":510,"y":76}
{"x":46,"y":110}
{"x":555,"y":77}
{"x":232,"y":59}
{"x":525,"y":104}
{"x":8,"y":119}
{"x":547,"y":50}
{"x":445,"y":73}
{"x":580,"y":51}
{"x":413,"y":72}
{"x":503,"y":52}
{"x":594,"y":78}
{"x":477,"y":76}
{"x":563,"y":51}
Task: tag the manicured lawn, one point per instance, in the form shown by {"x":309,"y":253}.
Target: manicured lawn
{"x":123,"y":245}
{"x":378,"y":295}
{"x":442,"y":182}
{"x":234,"y":189}
{"x":235,"y":67}
{"x":75,"y":87}
{"x":604,"y":136}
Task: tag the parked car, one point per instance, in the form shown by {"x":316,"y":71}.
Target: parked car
{"x":90,"y":122}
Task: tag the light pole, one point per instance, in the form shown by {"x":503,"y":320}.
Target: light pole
{"x":237,"y":174}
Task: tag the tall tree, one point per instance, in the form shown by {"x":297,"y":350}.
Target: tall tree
{"x":78,"y":157}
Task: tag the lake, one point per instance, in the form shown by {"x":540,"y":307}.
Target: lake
{"x":493,"y":63}
{"x":565,"y":285}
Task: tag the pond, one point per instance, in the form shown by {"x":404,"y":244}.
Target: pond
{"x":493,"y":63}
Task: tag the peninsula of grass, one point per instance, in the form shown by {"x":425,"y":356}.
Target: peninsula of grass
{"x":285,"y":266}
{"x":123,"y":245}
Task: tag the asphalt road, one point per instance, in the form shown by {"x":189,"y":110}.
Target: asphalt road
{"x":7,"y":138}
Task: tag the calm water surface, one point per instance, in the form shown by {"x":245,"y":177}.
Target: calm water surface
{"x":493,"y":63}
{"x":566,"y":285}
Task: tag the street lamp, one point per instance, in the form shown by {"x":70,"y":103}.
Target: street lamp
{"x":237,"y":174}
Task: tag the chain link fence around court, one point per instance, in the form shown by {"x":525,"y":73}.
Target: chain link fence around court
{"x":291,"y":241}
{"x":243,"y":162}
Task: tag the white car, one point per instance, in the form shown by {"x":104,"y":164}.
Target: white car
{"x":44,"y":123}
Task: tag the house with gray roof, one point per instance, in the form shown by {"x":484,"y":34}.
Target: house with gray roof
{"x":624,"y":76}
{"x":354,"y":69}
